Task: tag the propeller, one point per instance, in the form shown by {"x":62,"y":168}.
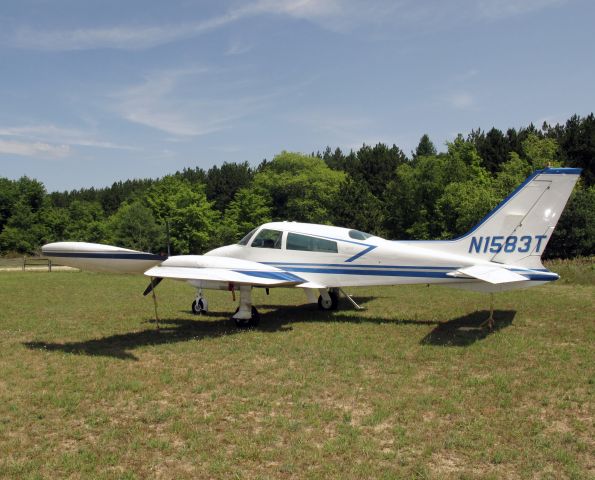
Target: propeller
{"x":154,"y":282}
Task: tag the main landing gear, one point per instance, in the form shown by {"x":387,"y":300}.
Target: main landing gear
{"x":246,"y":315}
{"x":328,"y":299}
{"x":200,"y":304}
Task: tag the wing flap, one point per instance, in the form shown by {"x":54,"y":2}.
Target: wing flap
{"x":490,"y":274}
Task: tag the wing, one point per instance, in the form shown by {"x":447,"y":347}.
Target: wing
{"x":223,"y":270}
{"x":96,"y":257}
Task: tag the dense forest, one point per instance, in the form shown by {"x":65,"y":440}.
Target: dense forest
{"x":379,"y":189}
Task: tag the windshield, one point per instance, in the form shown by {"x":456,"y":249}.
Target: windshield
{"x":247,"y":237}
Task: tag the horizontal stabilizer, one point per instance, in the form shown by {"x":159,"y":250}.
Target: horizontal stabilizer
{"x":488,"y":274}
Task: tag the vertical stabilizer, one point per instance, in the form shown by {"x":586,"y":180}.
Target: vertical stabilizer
{"x":517,"y":231}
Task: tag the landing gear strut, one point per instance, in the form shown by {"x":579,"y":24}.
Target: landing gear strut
{"x":490,"y":322}
{"x":246,"y":315}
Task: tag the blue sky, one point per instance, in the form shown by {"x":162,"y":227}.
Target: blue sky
{"x":97,"y":91}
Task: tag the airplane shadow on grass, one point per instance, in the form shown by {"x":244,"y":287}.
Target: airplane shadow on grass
{"x":461,"y":331}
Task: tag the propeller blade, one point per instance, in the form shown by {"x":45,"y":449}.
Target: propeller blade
{"x":154,"y":282}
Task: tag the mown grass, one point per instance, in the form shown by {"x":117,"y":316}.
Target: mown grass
{"x":411,"y":387}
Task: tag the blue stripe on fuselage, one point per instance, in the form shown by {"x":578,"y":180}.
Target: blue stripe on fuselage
{"x":342,"y":265}
{"x":110,"y":255}
{"x":398,"y":271}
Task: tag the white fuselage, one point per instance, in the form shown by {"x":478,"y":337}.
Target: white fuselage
{"x":357,"y":261}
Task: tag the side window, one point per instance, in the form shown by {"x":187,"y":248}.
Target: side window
{"x":247,"y":237}
{"x":268,"y":239}
{"x":310,"y":244}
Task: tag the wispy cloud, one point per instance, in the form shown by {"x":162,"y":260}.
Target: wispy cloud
{"x":54,"y":135}
{"x":124,"y":37}
{"x":154,"y":103}
{"x":238,"y":48}
{"x":173,"y":102}
{"x":461,"y":100}
{"x":328,"y":14}
{"x":33,"y":149}
{"x":130,"y":37}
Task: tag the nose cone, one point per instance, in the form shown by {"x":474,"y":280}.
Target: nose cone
{"x":227,"y":251}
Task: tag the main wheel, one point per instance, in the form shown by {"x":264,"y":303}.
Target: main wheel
{"x":198,"y":307}
{"x":329,"y":304}
{"x":247,"y":322}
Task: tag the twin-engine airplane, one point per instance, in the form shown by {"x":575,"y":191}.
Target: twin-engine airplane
{"x":502,"y":252}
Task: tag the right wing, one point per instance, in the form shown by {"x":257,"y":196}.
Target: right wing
{"x":224,"y":270}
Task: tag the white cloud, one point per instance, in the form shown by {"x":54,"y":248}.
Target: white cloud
{"x":238,"y":48}
{"x":308,"y":9}
{"x":461,"y":100}
{"x":121,"y":37}
{"x":128,"y":37}
{"x":172,"y":102}
{"x":334,"y":15}
{"x":33,"y":149}
{"x":154,"y":103}
{"x":59,"y":135}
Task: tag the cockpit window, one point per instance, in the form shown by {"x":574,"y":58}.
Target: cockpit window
{"x":247,"y":237}
{"x":310,"y":244}
{"x":357,"y":235}
{"x":268,"y":239}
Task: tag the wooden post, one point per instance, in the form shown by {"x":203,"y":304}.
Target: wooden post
{"x":24,"y":262}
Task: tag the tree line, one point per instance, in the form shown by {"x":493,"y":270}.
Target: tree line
{"x":378,"y":189}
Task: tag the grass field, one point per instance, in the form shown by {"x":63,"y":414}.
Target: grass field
{"x":409,"y":388}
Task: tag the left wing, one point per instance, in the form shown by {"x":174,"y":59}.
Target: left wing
{"x":224,"y":270}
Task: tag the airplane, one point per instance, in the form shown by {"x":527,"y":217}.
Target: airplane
{"x":502,"y":252}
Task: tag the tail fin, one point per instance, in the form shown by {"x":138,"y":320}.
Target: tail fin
{"x":517,"y":231}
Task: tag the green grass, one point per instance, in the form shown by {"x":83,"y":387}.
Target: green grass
{"x":409,"y":388}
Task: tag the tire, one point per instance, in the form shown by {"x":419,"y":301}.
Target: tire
{"x":198,"y":307}
{"x":325,"y":305}
{"x":247,"y":323}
